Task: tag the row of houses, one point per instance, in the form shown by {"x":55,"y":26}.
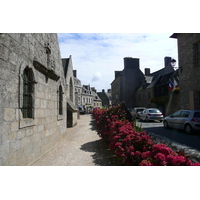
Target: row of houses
{"x":140,"y":89}
{"x":170,"y":88}
{"x":84,"y":97}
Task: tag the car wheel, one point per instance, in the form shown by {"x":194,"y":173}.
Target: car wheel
{"x":188,"y":129}
{"x":165,"y":124}
{"x":147,"y":119}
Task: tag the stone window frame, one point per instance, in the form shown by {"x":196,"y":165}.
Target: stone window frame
{"x":28,"y":91}
{"x":60,"y":102}
{"x":26,"y":122}
{"x":60,"y":99}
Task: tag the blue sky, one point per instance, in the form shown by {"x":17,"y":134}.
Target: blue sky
{"x":96,"y":56}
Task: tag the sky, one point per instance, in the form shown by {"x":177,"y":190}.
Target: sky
{"x":96,"y":56}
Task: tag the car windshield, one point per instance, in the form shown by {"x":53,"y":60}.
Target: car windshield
{"x":154,"y":111}
{"x":139,"y":110}
{"x":197,"y":114}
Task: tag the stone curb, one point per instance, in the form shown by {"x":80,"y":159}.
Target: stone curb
{"x":194,"y":154}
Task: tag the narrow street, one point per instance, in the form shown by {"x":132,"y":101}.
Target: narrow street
{"x":82,"y":147}
{"x":179,"y":136}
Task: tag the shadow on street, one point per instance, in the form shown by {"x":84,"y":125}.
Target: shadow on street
{"x":93,"y":124}
{"x":102,"y":155}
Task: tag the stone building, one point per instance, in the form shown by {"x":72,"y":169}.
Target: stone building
{"x":155,"y":87}
{"x":90,"y":99}
{"x":78,"y":90}
{"x":189,"y":69}
{"x":105,"y":98}
{"x":97,"y":102}
{"x":116,"y":86}
{"x":127,"y":82}
{"x":33,"y":109}
{"x":72,"y":111}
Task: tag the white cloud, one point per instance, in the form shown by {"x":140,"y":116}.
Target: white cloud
{"x":96,"y":56}
{"x":97,"y":77}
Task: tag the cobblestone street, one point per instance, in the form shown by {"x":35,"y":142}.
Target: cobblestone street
{"x":82,"y":147}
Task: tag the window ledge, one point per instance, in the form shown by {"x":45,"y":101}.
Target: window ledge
{"x":60,"y":117}
{"x":26,"y":123}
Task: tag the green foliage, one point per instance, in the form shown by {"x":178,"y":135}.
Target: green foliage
{"x":137,"y":128}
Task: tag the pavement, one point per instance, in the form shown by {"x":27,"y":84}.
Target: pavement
{"x":81,"y":147}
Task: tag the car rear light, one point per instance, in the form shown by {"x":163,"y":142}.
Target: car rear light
{"x":195,"y":120}
{"x":149,"y":114}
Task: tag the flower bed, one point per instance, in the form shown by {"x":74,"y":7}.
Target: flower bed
{"x":132,"y":147}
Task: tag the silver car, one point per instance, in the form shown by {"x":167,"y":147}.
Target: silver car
{"x":151,"y":114}
{"x":137,"y":111}
{"x":188,"y":120}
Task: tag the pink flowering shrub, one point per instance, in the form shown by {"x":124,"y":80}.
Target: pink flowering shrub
{"x":132,"y":147}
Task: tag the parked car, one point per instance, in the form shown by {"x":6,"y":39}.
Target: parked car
{"x":137,"y":111}
{"x":82,"y":112}
{"x":188,"y":120}
{"x":151,"y":114}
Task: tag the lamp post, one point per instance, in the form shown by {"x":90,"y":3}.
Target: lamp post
{"x":173,"y":63}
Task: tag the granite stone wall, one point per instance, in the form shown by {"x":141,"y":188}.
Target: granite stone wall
{"x":24,"y":140}
{"x":189,"y":70}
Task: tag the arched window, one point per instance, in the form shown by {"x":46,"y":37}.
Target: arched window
{"x":28,"y":91}
{"x":60,"y":100}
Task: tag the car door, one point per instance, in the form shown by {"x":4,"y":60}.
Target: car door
{"x":143,"y":115}
{"x":173,"y":120}
{"x":182,"y":119}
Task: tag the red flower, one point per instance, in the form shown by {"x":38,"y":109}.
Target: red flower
{"x":196,"y":164}
{"x":137,"y":153}
{"x":145,"y":163}
{"x":160,"y":157}
{"x":146,"y":154}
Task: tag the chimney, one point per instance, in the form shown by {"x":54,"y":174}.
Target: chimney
{"x":147,"y":71}
{"x":117,"y":73}
{"x":168,"y":61}
{"x":75,"y":73}
{"x":131,"y":63}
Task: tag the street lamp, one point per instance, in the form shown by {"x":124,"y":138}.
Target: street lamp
{"x":173,"y":63}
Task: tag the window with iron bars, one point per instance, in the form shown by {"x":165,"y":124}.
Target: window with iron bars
{"x":60,"y":100}
{"x":28,"y":89}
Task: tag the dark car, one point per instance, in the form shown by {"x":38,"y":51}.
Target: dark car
{"x":188,"y":120}
{"x":82,"y":112}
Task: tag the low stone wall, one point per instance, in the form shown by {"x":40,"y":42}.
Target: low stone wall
{"x":194,"y":155}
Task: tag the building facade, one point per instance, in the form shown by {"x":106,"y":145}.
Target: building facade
{"x":33,"y":111}
{"x":189,"y":69}
{"x":154,"y":91}
{"x":97,"y":102}
{"x":127,"y":82}
{"x":105,"y":98}
{"x":90,"y":99}
{"x":72,"y":110}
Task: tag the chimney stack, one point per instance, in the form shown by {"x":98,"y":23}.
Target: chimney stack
{"x":147,"y":71}
{"x":131,"y":63}
{"x":75,"y":73}
{"x":167,"y":61}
